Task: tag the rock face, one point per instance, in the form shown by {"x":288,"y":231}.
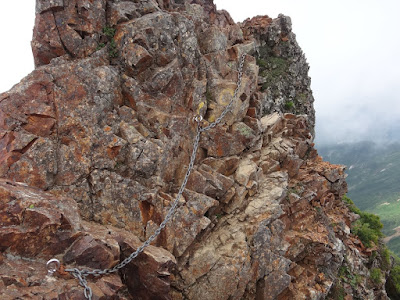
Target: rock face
{"x":95,"y":143}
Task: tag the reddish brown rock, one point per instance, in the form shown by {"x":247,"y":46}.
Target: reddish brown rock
{"x":100,"y":141}
{"x":137,"y":57}
{"x":37,"y":226}
{"x":46,"y":46}
{"x":31,"y":226}
{"x":149,"y":276}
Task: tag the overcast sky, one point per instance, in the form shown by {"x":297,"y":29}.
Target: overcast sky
{"x":353,"y":49}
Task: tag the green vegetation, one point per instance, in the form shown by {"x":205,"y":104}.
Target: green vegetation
{"x":373,"y":184}
{"x":109,"y":31}
{"x":289,"y":105}
{"x":209,"y":96}
{"x":394,"y":278}
{"x":112,"y":49}
{"x":373,"y":180}
{"x":345,"y":275}
{"x":261,"y":62}
{"x":337,"y":292}
{"x":389,"y":214}
{"x":272,"y":68}
{"x":275,"y":68}
{"x":350,"y":204}
{"x":295,"y":190}
{"x":365,"y":229}
{"x":100,"y":46}
{"x":264,"y":86}
{"x":368,"y":227}
{"x":109,"y":34}
{"x":385,"y":255}
{"x":375,"y":275}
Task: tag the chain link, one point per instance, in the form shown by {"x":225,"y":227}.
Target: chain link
{"x":82,"y":274}
{"x":82,"y":281}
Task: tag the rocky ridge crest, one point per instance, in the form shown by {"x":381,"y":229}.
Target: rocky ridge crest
{"x":96,"y":141}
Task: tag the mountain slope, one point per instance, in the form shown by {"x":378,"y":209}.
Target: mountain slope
{"x":373,"y":179}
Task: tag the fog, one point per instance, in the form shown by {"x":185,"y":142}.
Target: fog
{"x":16,"y":60}
{"x":353,"y":51}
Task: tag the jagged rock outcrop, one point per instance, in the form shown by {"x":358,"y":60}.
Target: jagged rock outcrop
{"x":96,"y":141}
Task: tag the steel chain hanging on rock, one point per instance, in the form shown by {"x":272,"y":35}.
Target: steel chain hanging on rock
{"x":83,"y":273}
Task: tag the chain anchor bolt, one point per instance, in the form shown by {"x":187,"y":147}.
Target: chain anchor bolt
{"x":53,"y":265}
{"x":198,"y":118}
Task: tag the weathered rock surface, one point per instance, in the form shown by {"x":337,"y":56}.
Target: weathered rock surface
{"x":95,"y":143}
{"x":37,"y":225}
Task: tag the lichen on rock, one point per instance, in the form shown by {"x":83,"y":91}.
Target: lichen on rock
{"x":95,"y":146}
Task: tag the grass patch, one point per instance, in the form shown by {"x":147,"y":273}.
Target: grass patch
{"x":385,"y":255}
{"x":345,"y":275}
{"x":375,"y":275}
{"x":272,"y":68}
{"x":366,"y":234}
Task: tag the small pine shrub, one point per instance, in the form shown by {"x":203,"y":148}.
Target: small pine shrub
{"x":365,"y":233}
{"x":373,"y":221}
{"x":368,"y":227}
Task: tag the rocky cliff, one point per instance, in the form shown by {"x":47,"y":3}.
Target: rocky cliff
{"x":95,"y":143}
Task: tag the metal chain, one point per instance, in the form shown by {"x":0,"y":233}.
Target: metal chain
{"x":82,"y":274}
